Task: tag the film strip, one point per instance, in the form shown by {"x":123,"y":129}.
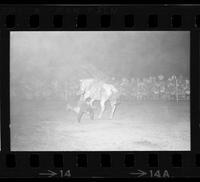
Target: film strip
{"x":41,"y":138}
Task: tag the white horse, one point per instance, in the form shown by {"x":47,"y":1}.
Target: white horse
{"x":99,"y":91}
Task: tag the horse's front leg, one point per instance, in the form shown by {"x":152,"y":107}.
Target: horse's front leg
{"x":102,"y":104}
{"x":113,"y":108}
{"x":91,"y":103}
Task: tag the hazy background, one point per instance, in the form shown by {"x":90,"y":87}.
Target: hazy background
{"x":83,"y":54}
{"x":43,"y":65}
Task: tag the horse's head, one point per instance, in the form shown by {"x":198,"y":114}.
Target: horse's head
{"x":84,"y":85}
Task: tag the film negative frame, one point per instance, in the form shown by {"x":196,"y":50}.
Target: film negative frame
{"x":155,"y":164}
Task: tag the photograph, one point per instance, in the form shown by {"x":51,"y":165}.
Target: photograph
{"x":100,"y":91}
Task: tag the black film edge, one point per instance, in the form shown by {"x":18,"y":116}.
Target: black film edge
{"x":99,"y":91}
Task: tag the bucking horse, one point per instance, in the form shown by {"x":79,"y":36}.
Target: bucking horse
{"x":96,"y":90}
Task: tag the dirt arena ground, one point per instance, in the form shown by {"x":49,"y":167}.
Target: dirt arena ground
{"x":137,"y":126}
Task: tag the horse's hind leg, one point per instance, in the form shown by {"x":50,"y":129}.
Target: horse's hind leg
{"x":113,"y":108}
{"x":91,"y":103}
{"x":102,"y":103}
{"x":80,"y":115}
{"x":91,"y":112}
